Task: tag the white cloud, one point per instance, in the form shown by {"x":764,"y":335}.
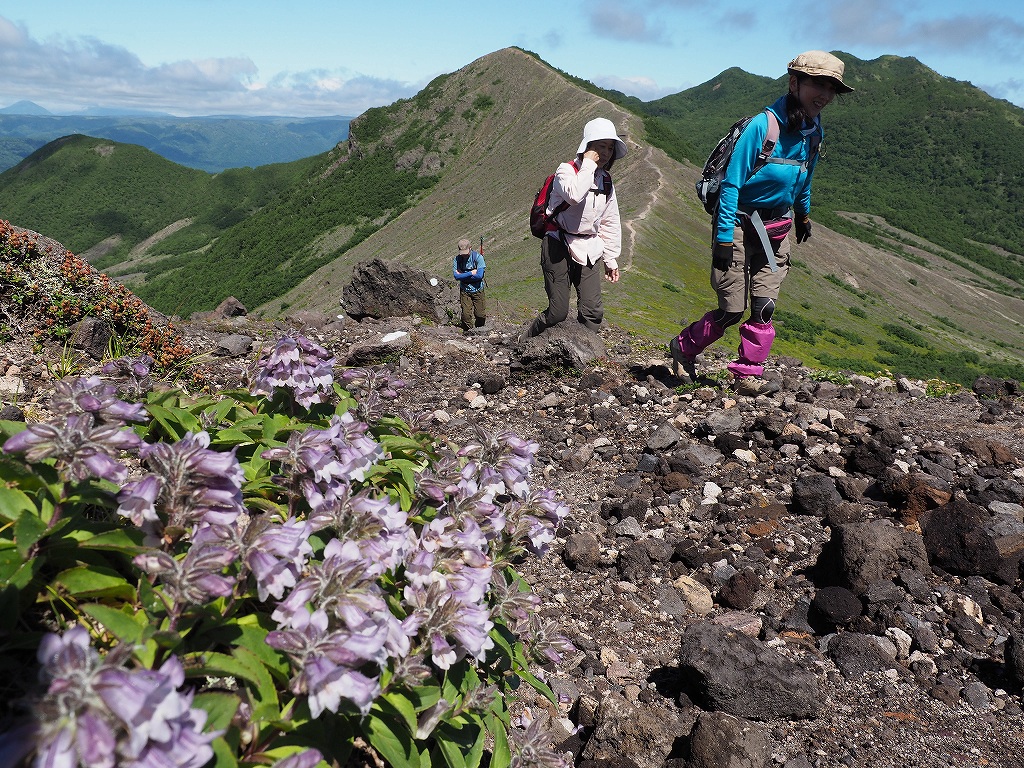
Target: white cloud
{"x":643,"y":88}
{"x":623,"y":21}
{"x":895,"y":26}
{"x":71,"y":74}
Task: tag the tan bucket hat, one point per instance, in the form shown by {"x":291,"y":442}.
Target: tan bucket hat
{"x":820,"y":64}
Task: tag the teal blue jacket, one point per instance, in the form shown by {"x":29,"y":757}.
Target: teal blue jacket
{"x":775,"y":186}
{"x":470,"y":272}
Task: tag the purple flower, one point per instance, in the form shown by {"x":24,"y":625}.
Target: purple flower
{"x":276,"y":553}
{"x":195,"y":579}
{"x":299,"y":365}
{"x":80,"y":448}
{"x":137,"y":501}
{"x":378,"y":525}
{"x":131,"y":375}
{"x":532,"y":748}
{"x":509,"y":455}
{"x":305,"y":759}
{"x":92,"y":396}
{"x":98,"y":713}
{"x":328,"y":660}
{"x":343,"y":585}
{"x":196,"y":486}
{"x":452,"y":627}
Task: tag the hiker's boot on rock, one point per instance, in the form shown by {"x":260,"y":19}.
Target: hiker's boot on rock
{"x":693,"y":340}
{"x":681,"y":361}
{"x":752,"y":386}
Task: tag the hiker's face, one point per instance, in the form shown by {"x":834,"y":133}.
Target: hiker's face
{"x":605,"y":149}
{"x":814,"y":93}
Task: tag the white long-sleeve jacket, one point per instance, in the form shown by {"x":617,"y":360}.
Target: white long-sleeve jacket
{"x":590,"y":225}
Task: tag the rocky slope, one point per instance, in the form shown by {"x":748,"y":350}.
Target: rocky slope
{"x":826,"y":576}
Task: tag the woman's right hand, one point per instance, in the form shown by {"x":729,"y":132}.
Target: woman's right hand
{"x":592,"y":155}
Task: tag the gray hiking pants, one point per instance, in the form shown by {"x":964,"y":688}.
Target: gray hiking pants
{"x":561,"y":274}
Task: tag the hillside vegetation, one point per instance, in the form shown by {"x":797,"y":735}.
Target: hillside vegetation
{"x":874,"y":288}
{"x":207,"y":143}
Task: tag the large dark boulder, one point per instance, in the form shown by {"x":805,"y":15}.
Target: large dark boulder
{"x":727,"y":671}
{"x":382,"y":289}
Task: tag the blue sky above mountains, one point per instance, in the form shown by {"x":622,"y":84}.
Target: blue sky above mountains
{"x":308,"y":58}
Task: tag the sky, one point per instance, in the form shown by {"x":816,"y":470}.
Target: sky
{"x":309,"y":58}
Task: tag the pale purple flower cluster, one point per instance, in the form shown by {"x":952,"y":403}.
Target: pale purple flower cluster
{"x":93,"y":396}
{"x":371,"y":387}
{"x":329,"y":660}
{"x":335,"y":623}
{"x":276,"y":553}
{"x":448,"y":580}
{"x":509,"y":455}
{"x":341,"y":454}
{"x":81,"y":448}
{"x":130,"y":374}
{"x":195,"y":579}
{"x":190,"y":487}
{"x":296,"y":364}
{"x":88,"y":435}
{"x":531,"y":748}
{"x":100,"y":714}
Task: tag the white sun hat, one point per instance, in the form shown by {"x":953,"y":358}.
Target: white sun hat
{"x":601,"y":128}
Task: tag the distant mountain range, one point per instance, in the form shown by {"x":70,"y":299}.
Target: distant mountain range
{"x":916,"y":264}
{"x":212,"y":143}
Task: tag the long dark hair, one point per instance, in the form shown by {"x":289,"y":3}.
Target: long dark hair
{"x":796,"y":117}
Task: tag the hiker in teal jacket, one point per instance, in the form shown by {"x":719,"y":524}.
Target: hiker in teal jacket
{"x":758,"y":205}
{"x":468,"y":269}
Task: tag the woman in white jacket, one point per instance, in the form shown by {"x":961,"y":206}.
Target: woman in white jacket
{"x":584,"y":236}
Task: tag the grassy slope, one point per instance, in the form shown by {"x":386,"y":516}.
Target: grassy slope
{"x":465,"y":157}
{"x":487,"y":190}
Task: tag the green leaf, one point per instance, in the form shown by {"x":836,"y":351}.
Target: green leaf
{"x":243,"y":664}
{"x":386,"y":734}
{"x":13,"y":502}
{"x":537,"y":685}
{"x":452,"y":755}
{"x":95,"y":581}
{"x":403,"y":707}
{"x":28,"y":530}
{"x":220,"y":706}
{"x":501,"y":754}
{"x":125,"y":541}
{"x":175,"y":421}
{"x":223,"y":754}
{"x":226,"y":438}
{"x":125,"y":627}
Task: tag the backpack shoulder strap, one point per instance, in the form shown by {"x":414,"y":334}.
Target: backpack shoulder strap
{"x":770,"y":140}
{"x":565,"y":203}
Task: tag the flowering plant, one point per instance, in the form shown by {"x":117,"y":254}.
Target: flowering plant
{"x":265,"y":577}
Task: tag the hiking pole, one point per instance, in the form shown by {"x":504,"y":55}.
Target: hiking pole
{"x":481,"y":245}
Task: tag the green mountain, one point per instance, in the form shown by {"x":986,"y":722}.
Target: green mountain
{"x":874,"y":288}
{"x":207,"y":143}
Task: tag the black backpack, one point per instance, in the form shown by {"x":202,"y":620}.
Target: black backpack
{"x":709,"y":185}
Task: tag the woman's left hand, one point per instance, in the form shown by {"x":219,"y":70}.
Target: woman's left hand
{"x":611,"y":275}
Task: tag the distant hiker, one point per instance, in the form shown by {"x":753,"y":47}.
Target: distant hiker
{"x":758,"y":204}
{"x":468,"y":269}
{"x":584,"y":237}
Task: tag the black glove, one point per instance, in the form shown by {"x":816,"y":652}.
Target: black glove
{"x":721,"y":256}
{"x":803,"y":229}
